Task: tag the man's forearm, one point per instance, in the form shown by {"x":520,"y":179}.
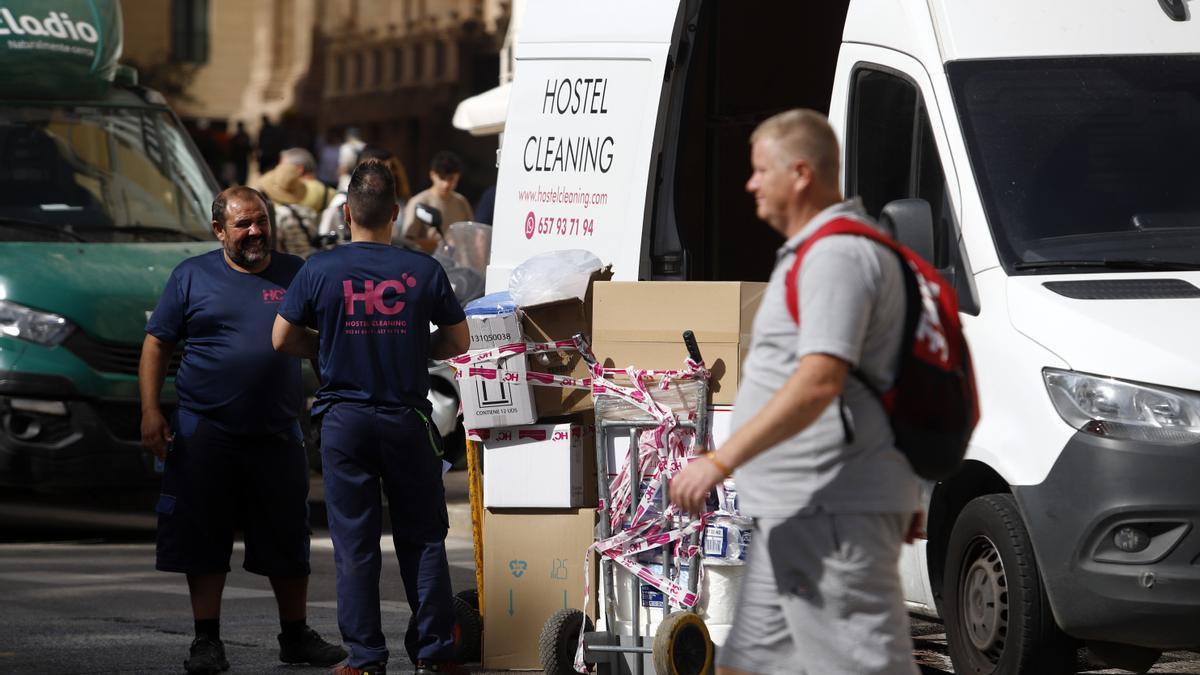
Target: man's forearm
{"x":152,"y":370}
{"x":807,"y":393}
{"x":288,"y":338}
{"x":449,"y":341}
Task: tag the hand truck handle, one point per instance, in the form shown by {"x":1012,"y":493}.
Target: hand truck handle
{"x":689,"y":340}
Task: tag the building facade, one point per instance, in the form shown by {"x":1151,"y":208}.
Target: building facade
{"x":395,"y":69}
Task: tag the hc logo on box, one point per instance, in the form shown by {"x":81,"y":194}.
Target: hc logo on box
{"x":372,"y":295}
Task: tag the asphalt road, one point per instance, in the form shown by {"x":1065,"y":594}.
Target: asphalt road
{"x":79,"y":594}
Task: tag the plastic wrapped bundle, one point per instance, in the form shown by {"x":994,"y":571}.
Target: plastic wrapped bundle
{"x":682,"y":397}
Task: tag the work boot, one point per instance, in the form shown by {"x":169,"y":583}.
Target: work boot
{"x":344,"y":668}
{"x":308,"y":647}
{"x":432,"y":667}
{"x":206,"y":655}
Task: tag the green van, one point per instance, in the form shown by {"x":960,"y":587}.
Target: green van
{"x":102,"y":194}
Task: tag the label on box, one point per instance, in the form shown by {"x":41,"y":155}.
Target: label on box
{"x":651,"y":596}
{"x":501,"y":398}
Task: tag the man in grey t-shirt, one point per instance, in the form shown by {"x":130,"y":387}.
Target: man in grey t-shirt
{"x":816,"y":465}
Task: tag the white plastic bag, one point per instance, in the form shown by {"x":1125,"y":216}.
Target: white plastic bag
{"x":555,"y":275}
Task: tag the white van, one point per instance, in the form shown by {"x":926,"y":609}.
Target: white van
{"x":1044,"y":155}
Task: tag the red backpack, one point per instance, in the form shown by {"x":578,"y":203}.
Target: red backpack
{"x":933,"y":406}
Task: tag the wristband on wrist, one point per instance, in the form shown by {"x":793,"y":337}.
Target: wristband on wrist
{"x":712,"y":457}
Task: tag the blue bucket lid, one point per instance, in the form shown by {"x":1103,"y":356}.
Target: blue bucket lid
{"x":491,"y":305}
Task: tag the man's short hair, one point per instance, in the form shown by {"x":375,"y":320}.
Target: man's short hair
{"x":446,"y":164}
{"x":803,"y":134}
{"x":372,"y":194}
{"x":300,"y":157}
{"x":374,"y":152}
{"x":237,"y":192}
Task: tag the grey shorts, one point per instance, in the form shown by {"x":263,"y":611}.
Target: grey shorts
{"x":822,"y":596}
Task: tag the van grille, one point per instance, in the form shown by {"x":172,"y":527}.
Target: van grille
{"x":113,"y":357}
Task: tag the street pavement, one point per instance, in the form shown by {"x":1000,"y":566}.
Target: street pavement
{"x":79,"y":594}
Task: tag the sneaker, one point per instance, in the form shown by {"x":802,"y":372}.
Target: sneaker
{"x":431,"y":667}
{"x":344,"y":668}
{"x":206,"y":656}
{"x":308,"y":647}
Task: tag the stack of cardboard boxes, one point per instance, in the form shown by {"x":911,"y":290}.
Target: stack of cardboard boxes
{"x":539,"y":457}
{"x":539,"y":486}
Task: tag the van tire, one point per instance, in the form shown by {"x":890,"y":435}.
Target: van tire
{"x":998,"y":618}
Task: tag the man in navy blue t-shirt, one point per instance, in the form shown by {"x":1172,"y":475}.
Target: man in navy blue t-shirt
{"x":233,"y":451}
{"x":364,"y":310}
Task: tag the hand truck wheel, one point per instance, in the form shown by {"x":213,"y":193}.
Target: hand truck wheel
{"x":682,"y":646}
{"x":471,"y":596}
{"x":560,"y":639}
{"x":468,"y":630}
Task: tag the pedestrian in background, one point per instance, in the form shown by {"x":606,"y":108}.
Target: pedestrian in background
{"x":348,"y":156}
{"x":233,"y":453}
{"x":296,"y":224}
{"x":272,"y":139}
{"x":240,"y":149}
{"x":832,"y":498}
{"x":317,"y":195}
{"x":333,"y":217}
{"x":444,"y":172}
{"x":328,"y":148}
{"x":364,"y":311}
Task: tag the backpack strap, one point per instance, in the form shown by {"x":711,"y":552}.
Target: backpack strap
{"x":792,"y":297}
{"x":835,"y":226}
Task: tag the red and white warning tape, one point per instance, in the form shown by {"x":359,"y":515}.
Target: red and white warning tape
{"x":660,"y":453}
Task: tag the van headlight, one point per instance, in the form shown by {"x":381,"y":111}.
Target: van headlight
{"x":42,"y":328}
{"x":1111,"y":408}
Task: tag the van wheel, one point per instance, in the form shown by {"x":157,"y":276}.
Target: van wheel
{"x":998,"y":619}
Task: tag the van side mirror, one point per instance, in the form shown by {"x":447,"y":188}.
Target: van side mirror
{"x":910,"y":221}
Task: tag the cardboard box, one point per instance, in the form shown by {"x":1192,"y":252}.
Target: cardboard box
{"x":641,"y":323}
{"x":540,"y":465}
{"x":561,"y":320}
{"x":532,"y":567}
{"x":502,"y":400}
{"x":549,"y":322}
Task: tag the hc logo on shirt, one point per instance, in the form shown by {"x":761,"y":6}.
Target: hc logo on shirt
{"x":273,"y":294}
{"x":372,"y":295}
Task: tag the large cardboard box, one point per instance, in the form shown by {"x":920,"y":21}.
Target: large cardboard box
{"x":640,"y":323}
{"x":502,"y":399}
{"x":541,"y":465}
{"x":532,"y":567}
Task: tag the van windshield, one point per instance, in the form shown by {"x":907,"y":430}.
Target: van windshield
{"x":1092,"y":159}
{"x":99,"y":174}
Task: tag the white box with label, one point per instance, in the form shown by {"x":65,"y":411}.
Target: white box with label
{"x":534,"y":466}
{"x":495,"y":393}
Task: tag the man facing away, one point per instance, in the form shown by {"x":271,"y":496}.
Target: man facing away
{"x":444,"y":173}
{"x":832,"y":498}
{"x":233,"y":452}
{"x":364,"y":310}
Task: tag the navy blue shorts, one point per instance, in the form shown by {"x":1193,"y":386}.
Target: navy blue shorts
{"x":215,"y":482}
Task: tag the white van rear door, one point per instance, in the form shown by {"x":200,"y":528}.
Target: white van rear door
{"x":576,"y":160}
